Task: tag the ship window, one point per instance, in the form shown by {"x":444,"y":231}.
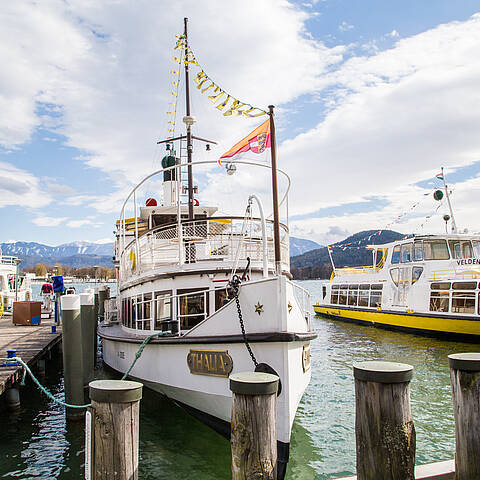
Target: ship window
{"x":394,"y":275}
{"x":407,"y":252}
{"x":221,"y":298}
{"x":129,"y":312}
{"x":375,"y":298}
{"x":396,"y":254}
{"x":476,"y":248}
{"x":192,"y":307}
{"x":334,"y":296}
{"x":463,"y":302}
{"x":440,"y":286}
{"x":379,"y":286}
{"x":416,"y":273}
{"x":461,"y":248}
{"x":163,"y":312}
{"x":353,"y":296}
{"x":363,"y":294}
{"x":342,"y":297}
{"x":439,"y":301}
{"x":335,"y":287}
{"x":464,"y":285}
{"x":353,"y":287}
{"x":418,"y":251}
{"x":435,"y":250}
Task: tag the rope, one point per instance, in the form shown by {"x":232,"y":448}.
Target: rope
{"x":140,"y":351}
{"x":39,"y":385}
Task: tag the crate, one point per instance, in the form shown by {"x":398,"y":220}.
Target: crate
{"x":27,"y":313}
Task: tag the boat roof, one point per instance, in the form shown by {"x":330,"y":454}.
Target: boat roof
{"x":445,"y":236}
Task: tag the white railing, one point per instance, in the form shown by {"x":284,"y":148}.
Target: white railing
{"x":227,"y":239}
{"x":9,"y":260}
{"x":303,"y":298}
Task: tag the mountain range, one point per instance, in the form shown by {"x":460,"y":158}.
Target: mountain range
{"x":349,"y":252}
{"x":84,"y":254}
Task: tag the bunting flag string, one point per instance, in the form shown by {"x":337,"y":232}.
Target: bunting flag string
{"x":175,"y":82}
{"x":351,"y":245}
{"x":226,"y":103}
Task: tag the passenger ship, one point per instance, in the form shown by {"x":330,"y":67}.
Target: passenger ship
{"x":179,"y":264}
{"x":427,"y":284}
{"x":13,"y":286}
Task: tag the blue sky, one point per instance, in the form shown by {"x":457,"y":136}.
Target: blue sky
{"x":372,"y":98}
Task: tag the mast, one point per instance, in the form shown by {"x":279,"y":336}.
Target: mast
{"x":276,"y":224}
{"x":454,"y":225}
{"x":189,"y":122}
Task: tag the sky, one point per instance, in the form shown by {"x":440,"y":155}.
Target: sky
{"x":372,"y":98}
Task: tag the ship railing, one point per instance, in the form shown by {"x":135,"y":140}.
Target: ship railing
{"x":454,"y":274}
{"x":354,"y":270}
{"x":225,"y":239}
{"x":303,"y":298}
{"x":9,"y":260}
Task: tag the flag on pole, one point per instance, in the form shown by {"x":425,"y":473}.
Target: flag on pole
{"x":257,"y":142}
{"x":439,"y":176}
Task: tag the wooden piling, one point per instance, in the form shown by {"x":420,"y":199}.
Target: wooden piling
{"x":253,"y":426}
{"x":465,"y":381}
{"x":72,"y":354}
{"x":89,"y":323}
{"x":115,"y":431}
{"x":384,"y":430}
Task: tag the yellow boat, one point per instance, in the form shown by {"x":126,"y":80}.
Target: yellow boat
{"x":424,"y":284}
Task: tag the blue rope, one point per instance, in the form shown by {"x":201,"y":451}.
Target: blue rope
{"x":140,"y":351}
{"x":39,"y":385}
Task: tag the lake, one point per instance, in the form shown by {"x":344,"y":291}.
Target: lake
{"x":36,"y":441}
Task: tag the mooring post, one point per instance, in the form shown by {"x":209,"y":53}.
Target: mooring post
{"x":384,"y":430}
{"x":12,"y":398}
{"x":254,"y":425}
{"x":72,"y":354}
{"x":465,"y":380}
{"x":87,"y":315}
{"x":115,"y":416}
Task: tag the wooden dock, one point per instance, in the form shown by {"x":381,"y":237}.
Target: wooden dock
{"x":31,"y":343}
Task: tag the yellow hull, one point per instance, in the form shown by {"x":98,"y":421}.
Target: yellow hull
{"x":405,"y":321}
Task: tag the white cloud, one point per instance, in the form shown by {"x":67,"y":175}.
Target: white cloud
{"x":44,"y":221}
{"x":83,"y":223}
{"x":345,"y":26}
{"x":18,"y":187}
{"x":393,"y":34}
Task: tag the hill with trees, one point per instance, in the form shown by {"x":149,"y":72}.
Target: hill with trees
{"x":316,"y":263}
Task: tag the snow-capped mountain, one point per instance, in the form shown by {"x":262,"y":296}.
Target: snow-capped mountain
{"x":33,"y":249}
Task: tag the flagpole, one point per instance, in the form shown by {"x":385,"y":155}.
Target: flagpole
{"x":276,"y":224}
{"x":330,"y":255}
{"x":189,"y":126}
{"x":454,"y":225}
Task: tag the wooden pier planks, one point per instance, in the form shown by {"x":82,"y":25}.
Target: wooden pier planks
{"x":31,"y":343}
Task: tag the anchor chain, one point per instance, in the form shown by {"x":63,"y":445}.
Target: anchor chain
{"x":235,"y":287}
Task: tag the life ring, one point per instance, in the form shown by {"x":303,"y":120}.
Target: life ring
{"x":196,"y":203}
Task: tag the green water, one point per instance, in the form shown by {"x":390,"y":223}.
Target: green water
{"x":36,"y":442}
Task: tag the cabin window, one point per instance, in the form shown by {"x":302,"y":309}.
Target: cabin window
{"x":163,"y":312}
{"x":435,"y":250}
{"x":342,"y":295}
{"x":334,"y":294}
{"x":394,"y":275}
{"x":439,"y":300}
{"x":396,"y":254}
{"x":376,"y":296}
{"x":353,"y":295}
{"x":324,"y":291}
{"x":363,"y":294}
{"x":416,"y":273}
{"x":440,"y":286}
{"x":476,"y":248}
{"x":221,"y":298}
{"x":192,"y":306}
{"x":129,"y":312}
{"x":461,"y":248}
{"x":418,"y":251}
{"x":464,"y":285}
{"x":463,"y":302}
{"x":407,"y":252}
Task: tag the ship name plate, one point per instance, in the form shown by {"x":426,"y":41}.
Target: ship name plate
{"x":215,"y":363}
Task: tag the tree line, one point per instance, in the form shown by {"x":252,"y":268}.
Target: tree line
{"x":100,"y":273}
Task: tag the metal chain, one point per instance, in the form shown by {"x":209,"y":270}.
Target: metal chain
{"x":235,"y":283}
